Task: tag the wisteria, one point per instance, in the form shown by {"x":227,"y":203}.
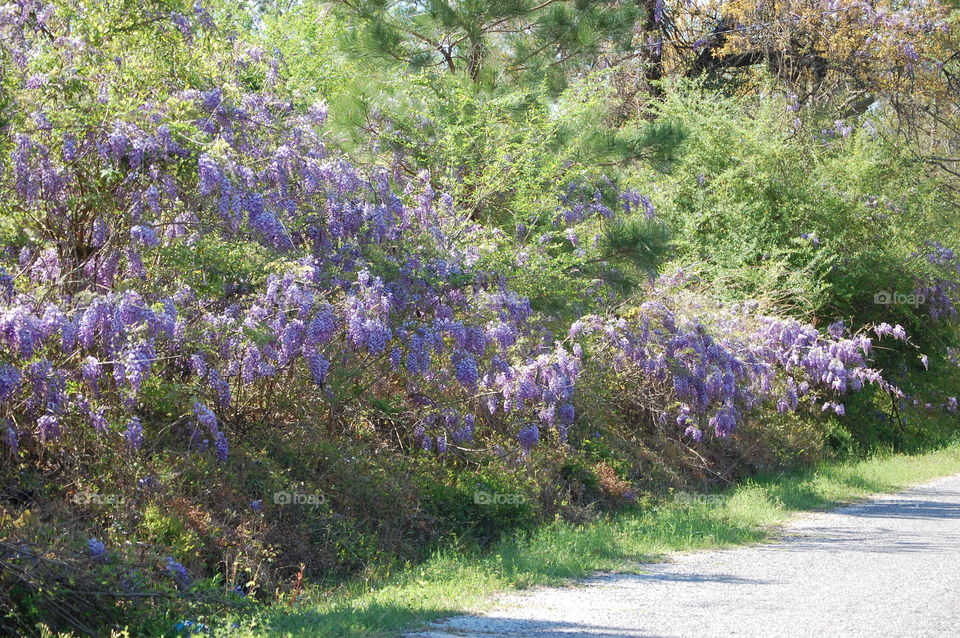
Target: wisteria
{"x":48,"y":428}
{"x":528,"y":437}
{"x":248,"y":341}
{"x":178,"y":573}
{"x":714,"y":368}
{"x":940,"y":293}
{"x":97,"y":550}
{"x":375,"y":285}
{"x":134,"y":434}
{"x":443,"y":337}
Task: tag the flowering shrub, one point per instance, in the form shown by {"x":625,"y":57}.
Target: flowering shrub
{"x":698,"y":365}
{"x":376,"y":279}
{"x":374,"y":282}
{"x":189,"y":261}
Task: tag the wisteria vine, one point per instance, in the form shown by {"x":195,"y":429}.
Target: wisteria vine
{"x":374,"y":280}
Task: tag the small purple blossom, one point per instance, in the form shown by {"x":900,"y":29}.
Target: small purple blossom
{"x":145,"y":236}
{"x":10,"y":438}
{"x":48,"y":428}
{"x":178,"y":572}
{"x":883,"y":329}
{"x":134,"y":434}
{"x":528,"y":437}
{"x":205,"y":417}
{"x":9,"y":381}
{"x":221,"y":448}
{"x":318,"y":365}
{"x":465,"y":370}
{"x":97,"y":550}
{"x":210,"y":175}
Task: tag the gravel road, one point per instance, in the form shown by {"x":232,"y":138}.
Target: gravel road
{"x":887,"y":567}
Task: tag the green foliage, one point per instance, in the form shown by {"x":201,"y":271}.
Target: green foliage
{"x":501,"y":154}
{"x":307,"y":37}
{"x":489,"y":41}
{"x":211,"y":265}
{"x":167,"y":530}
{"x":479,"y":506}
{"x":768,"y":206}
{"x":638,"y":241}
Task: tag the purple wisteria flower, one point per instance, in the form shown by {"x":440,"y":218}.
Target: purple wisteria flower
{"x":98,"y":420}
{"x":9,"y":381}
{"x":145,"y":236}
{"x":465,"y":370}
{"x":10,"y":437}
{"x":883,"y":329}
{"x":48,"y":428}
{"x":90,"y":369}
{"x":318,"y":365}
{"x":210,"y":175}
{"x":205,"y":416}
{"x":178,"y":572}
{"x":221,"y":447}
{"x":97,"y":550}
{"x":134,"y":434}
{"x":528,"y":437}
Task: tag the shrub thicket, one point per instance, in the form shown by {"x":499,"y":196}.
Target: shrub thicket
{"x":242,"y":344}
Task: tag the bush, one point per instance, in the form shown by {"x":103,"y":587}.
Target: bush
{"x":817,"y":219}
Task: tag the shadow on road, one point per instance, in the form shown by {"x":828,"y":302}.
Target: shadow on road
{"x":513,"y":628}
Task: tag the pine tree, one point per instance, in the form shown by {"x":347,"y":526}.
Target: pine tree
{"x":489,"y":40}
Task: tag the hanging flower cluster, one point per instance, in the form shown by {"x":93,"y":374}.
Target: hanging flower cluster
{"x":941,"y":294}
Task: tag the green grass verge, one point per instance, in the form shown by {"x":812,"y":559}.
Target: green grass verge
{"x":451,"y":583}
